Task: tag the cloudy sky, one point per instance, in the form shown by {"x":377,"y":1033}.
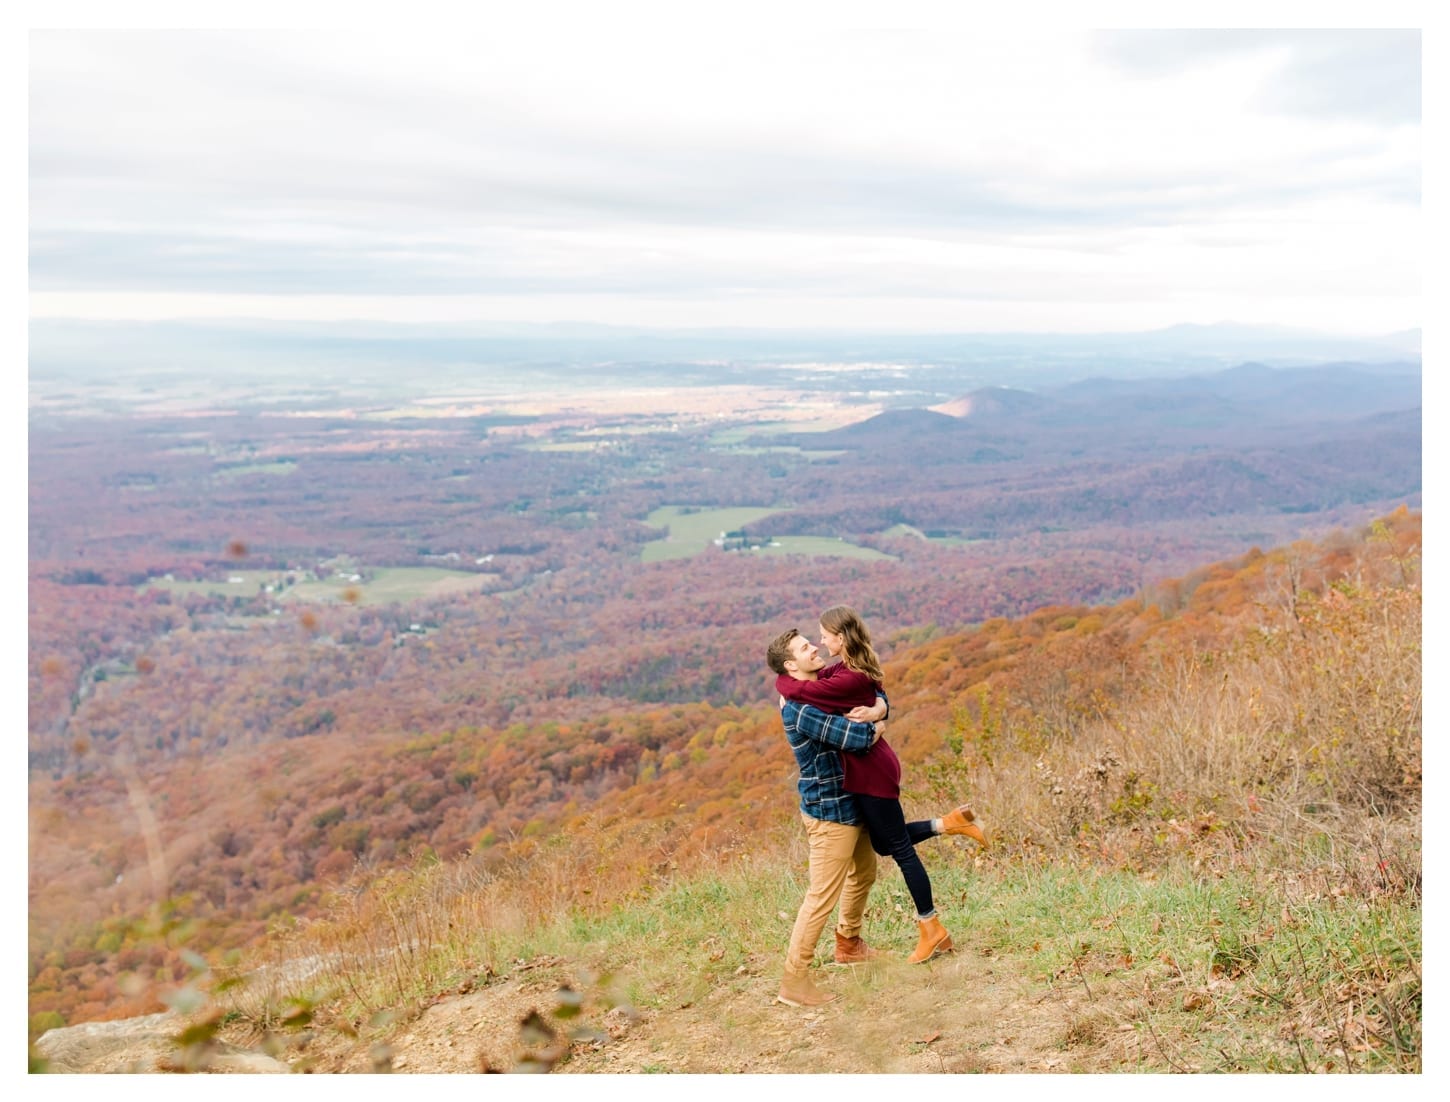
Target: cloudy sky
{"x":947,"y":180}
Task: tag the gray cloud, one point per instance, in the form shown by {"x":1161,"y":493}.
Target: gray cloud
{"x":409,"y":230}
{"x":270,"y":163}
{"x":228,"y":128}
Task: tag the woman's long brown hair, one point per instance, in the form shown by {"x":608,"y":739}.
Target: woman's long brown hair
{"x":857,"y":652}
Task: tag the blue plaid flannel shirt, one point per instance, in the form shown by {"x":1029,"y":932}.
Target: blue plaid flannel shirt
{"x":814,"y":738}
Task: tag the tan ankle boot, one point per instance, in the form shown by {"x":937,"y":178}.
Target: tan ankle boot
{"x":800,"y":991}
{"x":934,"y":939}
{"x":853,"y":950}
{"x":960,"y":822}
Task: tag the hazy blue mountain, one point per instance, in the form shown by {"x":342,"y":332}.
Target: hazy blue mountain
{"x":945,"y":364}
{"x":1266,"y":434}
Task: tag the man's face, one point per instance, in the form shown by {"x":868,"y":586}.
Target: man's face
{"x":804,"y":656}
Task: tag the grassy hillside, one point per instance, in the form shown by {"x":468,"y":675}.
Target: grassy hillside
{"x":1204,"y":805}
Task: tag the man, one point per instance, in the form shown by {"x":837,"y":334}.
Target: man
{"x":842,"y":862}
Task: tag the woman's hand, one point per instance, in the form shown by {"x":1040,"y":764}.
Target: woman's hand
{"x":874,"y":714}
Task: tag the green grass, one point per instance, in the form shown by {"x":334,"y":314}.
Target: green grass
{"x":1224,"y":960}
{"x":390,"y":585}
{"x":692,"y":532}
{"x":1232,"y":972}
{"x":1230,"y":969}
{"x":386,"y":585}
{"x":740,"y":433}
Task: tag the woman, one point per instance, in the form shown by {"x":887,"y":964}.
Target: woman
{"x":873,"y":777}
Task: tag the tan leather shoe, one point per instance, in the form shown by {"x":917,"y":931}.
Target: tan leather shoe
{"x":960,"y":822}
{"x":853,"y":950}
{"x":934,"y":939}
{"x":800,"y":991}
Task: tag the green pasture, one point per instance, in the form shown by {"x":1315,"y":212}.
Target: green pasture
{"x":738,"y":434}
{"x":691,"y":532}
{"x":387,"y":585}
{"x":391,"y":585}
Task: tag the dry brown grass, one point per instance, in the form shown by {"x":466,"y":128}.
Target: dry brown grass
{"x":1300,"y":731}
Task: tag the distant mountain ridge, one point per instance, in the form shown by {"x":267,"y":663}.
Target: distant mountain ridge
{"x":70,"y":348}
{"x":1129,"y":451}
{"x":1250,"y":393}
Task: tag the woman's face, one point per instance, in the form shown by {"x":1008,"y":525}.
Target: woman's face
{"x":831,"y":641}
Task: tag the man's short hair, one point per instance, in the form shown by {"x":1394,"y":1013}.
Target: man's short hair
{"x":778,"y":653}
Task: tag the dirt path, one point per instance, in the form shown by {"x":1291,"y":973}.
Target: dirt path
{"x":960,"y":1013}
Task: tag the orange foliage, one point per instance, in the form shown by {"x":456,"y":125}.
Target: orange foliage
{"x":251,"y":830}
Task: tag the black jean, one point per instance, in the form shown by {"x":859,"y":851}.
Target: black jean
{"x":892,"y":836}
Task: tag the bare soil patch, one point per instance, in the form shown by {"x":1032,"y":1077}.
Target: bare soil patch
{"x":960,"y":1013}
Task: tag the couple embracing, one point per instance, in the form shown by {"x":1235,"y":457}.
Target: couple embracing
{"x":850,"y":797}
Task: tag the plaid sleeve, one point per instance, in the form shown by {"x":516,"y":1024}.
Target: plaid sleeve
{"x":820,"y":778}
{"x":837,"y":732}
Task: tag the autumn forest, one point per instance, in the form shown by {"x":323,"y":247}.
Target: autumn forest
{"x":289,"y":628}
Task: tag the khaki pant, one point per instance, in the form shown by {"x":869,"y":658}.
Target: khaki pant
{"x":843,"y":866}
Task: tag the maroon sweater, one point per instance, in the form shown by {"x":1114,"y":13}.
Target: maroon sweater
{"x":872,"y":772}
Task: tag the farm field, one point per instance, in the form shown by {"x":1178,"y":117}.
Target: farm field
{"x":391,"y":585}
{"x":385,"y":585}
{"x":691,"y":530}
{"x":739,"y":434}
